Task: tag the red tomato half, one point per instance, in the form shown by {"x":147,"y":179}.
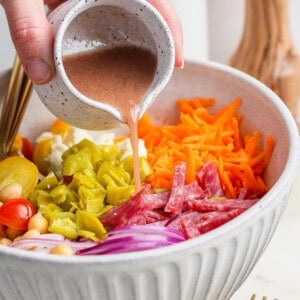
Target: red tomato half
{"x":27,"y":148}
{"x":16,"y":213}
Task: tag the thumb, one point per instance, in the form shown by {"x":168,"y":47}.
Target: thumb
{"x":32,"y":37}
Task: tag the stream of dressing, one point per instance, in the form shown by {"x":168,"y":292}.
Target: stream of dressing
{"x":119,"y":77}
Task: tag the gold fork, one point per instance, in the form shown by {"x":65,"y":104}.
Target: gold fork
{"x":254,"y":297}
{"x":14,"y":105}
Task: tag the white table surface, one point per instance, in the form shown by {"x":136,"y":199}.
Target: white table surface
{"x":277,"y":273}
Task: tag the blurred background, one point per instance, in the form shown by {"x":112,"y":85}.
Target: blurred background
{"x":212,"y":29}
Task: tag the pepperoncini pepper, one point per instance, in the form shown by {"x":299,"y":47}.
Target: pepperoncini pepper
{"x":98,"y":178}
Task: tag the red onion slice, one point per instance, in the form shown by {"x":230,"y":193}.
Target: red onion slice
{"x":135,"y":238}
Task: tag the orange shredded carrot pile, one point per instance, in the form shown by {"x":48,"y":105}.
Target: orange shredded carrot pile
{"x":201,"y":137}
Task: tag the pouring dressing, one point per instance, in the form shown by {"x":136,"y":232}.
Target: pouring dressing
{"x":119,"y":77}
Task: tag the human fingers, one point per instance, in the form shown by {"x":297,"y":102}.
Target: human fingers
{"x":168,"y":12}
{"x":32,"y":37}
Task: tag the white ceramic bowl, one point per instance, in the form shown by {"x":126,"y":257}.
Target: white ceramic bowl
{"x":212,"y":266}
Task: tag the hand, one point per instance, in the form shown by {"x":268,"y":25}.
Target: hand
{"x":33,"y":38}
{"x":168,"y":12}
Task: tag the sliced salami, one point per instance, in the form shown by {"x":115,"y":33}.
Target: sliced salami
{"x":175,"y":203}
{"x":208,"y":179}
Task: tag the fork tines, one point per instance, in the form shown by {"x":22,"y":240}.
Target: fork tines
{"x":14,"y":106}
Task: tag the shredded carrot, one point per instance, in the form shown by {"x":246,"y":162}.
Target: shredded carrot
{"x":201,"y":136}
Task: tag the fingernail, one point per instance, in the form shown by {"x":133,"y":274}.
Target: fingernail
{"x":179,"y":60}
{"x":38,"y":70}
{"x":180,"y":64}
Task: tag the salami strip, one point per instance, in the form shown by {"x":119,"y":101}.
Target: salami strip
{"x":208,"y":179}
{"x":175,"y":203}
{"x":119,"y":215}
{"x":193,"y":191}
{"x":156,"y":201}
{"x":189,"y":228}
{"x":189,"y":216}
{"x":220,"y":219}
{"x":204,"y":205}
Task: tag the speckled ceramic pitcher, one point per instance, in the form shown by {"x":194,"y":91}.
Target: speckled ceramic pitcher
{"x":83,"y":25}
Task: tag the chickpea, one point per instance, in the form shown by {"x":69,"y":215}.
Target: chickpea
{"x":11,"y":191}
{"x":38,"y":222}
{"x":13,"y":233}
{"x":62,"y":249}
{"x":31,"y":233}
{"x":17,"y":238}
{"x":5,"y":242}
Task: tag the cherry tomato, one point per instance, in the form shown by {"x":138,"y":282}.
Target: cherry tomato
{"x":27,"y":148}
{"x":16,"y":213}
{"x":60,"y":127}
{"x":40,"y":152}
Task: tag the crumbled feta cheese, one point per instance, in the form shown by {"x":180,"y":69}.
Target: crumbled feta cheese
{"x":44,"y":136}
{"x":55,"y":156}
{"x":61,"y":143}
{"x":126,"y":149}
